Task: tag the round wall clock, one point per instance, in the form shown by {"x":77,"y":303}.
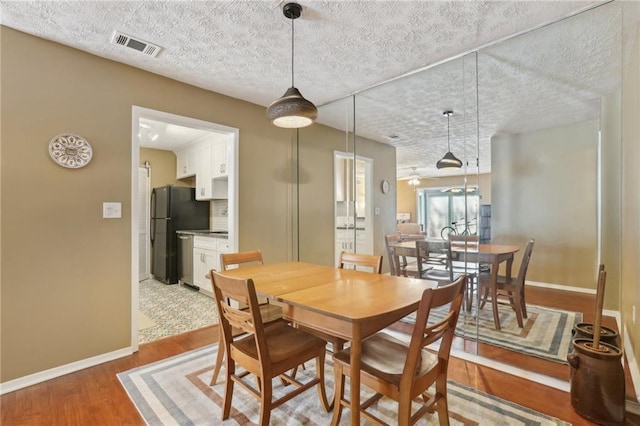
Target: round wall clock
{"x":386,"y":186}
{"x":71,"y":151}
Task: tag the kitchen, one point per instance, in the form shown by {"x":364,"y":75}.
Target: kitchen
{"x":188,"y":216}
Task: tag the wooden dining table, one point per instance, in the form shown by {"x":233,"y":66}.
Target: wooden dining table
{"x":349,"y":304}
{"x":488,"y":254}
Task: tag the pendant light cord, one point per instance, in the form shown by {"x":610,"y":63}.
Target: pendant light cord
{"x":448,"y":140}
{"x":292,"y":54}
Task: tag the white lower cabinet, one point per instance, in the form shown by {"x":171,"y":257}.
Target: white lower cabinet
{"x":205,"y":258}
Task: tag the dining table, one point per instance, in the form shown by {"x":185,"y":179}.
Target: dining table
{"x":472,"y":252}
{"x":344,"y":303}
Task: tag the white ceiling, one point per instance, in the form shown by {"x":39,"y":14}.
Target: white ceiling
{"x":242,"y":49}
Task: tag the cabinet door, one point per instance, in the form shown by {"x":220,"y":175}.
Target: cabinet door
{"x":186,"y":162}
{"x":220,"y":161}
{"x":204,"y":178}
{"x":204,"y":261}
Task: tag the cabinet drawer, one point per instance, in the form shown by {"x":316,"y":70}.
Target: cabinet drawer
{"x":206,"y":243}
{"x":223,"y":245}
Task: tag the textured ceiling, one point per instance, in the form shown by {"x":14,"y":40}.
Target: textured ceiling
{"x":554,"y":75}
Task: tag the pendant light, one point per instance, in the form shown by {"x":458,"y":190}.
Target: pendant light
{"x":292,"y":110}
{"x":449,"y":161}
{"x":414,"y":181}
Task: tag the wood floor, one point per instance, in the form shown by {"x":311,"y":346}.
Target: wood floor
{"x":94,"y":396}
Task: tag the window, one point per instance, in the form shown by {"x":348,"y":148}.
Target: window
{"x":439,"y":208}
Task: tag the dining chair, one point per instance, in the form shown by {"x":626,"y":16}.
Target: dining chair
{"x":269,"y":312}
{"x":355,"y":260}
{"x":509,"y":287}
{"x":266,"y":352}
{"x":404,"y":372}
{"x":435,"y":261}
{"x":399,"y":266}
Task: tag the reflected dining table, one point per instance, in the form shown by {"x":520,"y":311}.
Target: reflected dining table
{"x":489,"y":254}
{"x":349,"y":304}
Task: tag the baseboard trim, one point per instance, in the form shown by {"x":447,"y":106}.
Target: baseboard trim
{"x":562,"y":287}
{"x":52,"y":373}
{"x":633,"y":365}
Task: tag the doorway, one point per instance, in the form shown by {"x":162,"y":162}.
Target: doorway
{"x":140,"y":196}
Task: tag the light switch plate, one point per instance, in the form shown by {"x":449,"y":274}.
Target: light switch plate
{"x":111,"y":210}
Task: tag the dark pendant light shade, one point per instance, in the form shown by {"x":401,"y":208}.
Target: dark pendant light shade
{"x":449,"y":161}
{"x":292,"y":110}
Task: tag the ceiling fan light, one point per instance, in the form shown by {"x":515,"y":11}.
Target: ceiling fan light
{"x":292,"y":110}
{"x":449,"y":162}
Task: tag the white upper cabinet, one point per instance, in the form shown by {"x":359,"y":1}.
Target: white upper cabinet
{"x":220,"y":159}
{"x":204,"y":176}
{"x":186,"y":162}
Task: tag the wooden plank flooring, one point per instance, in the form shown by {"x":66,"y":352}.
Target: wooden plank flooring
{"x":94,"y":395}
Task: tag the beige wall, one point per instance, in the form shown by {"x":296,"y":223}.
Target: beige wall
{"x":66,"y":272}
{"x":163,"y":168}
{"x":630,"y":238}
{"x":544,"y":187}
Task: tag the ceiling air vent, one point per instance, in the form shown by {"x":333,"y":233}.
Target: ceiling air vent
{"x":132,"y":43}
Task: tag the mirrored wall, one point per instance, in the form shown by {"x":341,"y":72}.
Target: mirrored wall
{"x":536,"y":124}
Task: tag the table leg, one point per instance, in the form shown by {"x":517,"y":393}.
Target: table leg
{"x":494,"y":293}
{"x":356,"y":352}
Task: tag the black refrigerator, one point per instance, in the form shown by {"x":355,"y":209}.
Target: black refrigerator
{"x":172,"y":209}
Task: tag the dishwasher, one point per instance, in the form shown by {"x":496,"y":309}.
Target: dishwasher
{"x":185,"y":260}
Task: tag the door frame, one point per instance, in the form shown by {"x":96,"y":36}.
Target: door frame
{"x":138,"y":113}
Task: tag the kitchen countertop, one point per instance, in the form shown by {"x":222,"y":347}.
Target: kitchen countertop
{"x":204,"y":233}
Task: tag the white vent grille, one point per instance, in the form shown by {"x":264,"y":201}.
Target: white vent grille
{"x":124,"y":40}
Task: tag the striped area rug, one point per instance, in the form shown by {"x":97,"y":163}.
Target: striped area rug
{"x":546,"y":333}
{"x":176,"y":391}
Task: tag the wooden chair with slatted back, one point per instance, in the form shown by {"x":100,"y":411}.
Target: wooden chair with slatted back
{"x":266,"y":351}
{"x":404,"y":372}
{"x":399,"y":265}
{"x":511,"y":288}
{"x":268,"y":311}
{"x":368,"y":261}
{"x":436,"y":254}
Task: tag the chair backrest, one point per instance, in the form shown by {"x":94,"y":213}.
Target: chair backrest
{"x":409,"y":228}
{"x":526,"y":257}
{"x":441,"y":330}
{"x":235,"y":259}
{"x":246,"y":317}
{"x":363,"y":260}
{"x":394,"y":260}
{"x":434,"y":252}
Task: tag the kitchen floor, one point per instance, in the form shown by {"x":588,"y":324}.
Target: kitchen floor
{"x":167,"y":310}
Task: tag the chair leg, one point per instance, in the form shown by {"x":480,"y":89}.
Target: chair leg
{"x":228,"y":389}
{"x":517,"y":306}
{"x":494,"y":303}
{"x":404,"y":409}
{"x":338,"y":394}
{"x":441,"y":404}
{"x":219,"y":359}
{"x":322,"y":392}
{"x":266,"y":396}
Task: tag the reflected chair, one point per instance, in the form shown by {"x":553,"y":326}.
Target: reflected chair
{"x":266,"y":352}
{"x":399,"y":265}
{"x":511,"y":288}
{"x":269,"y":312}
{"x":357,"y":260}
{"x":435,"y":261}
{"x":404,"y":372}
